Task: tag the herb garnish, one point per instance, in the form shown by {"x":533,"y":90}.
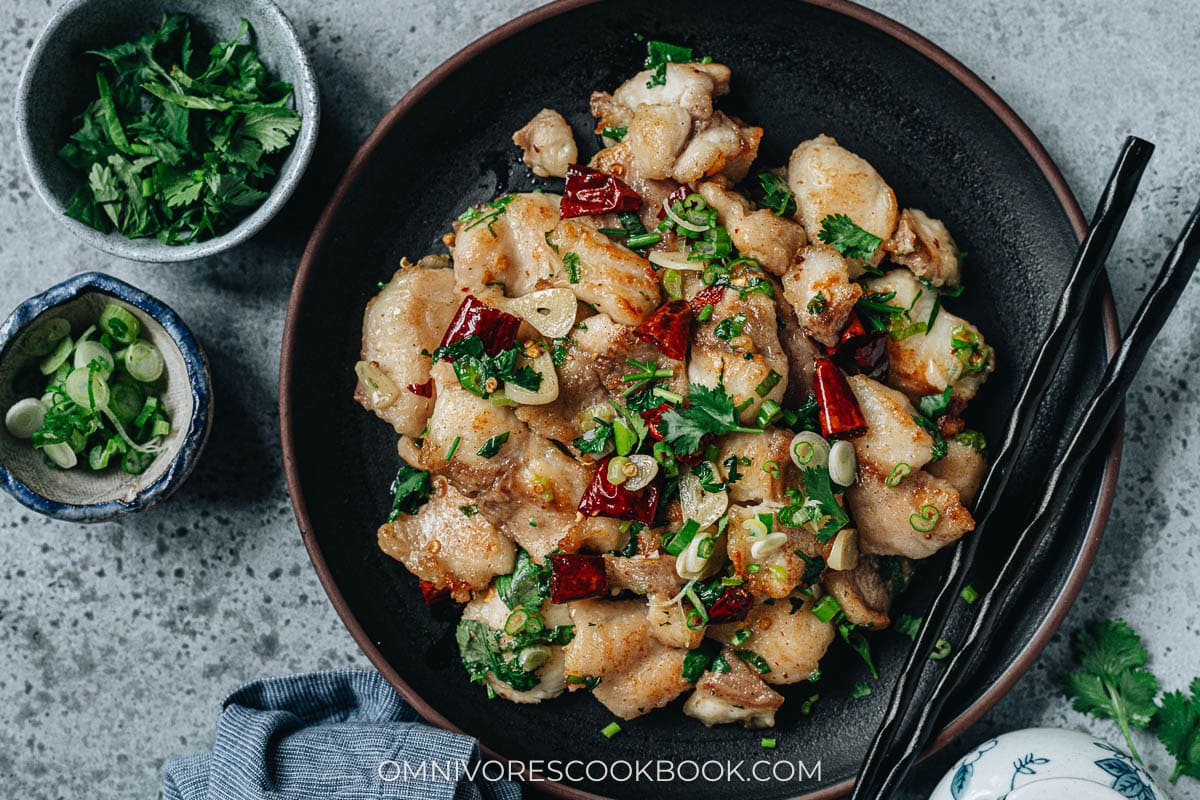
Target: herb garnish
{"x":658,"y":55}
{"x":776,"y":195}
{"x":839,"y":232}
{"x":709,"y":410}
{"x":410,"y":490}
{"x":487,"y":214}
{"x":1114,"y":682}
{"x":482,"y":374}
{"x":175,"y":151}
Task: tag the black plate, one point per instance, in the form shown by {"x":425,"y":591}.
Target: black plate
{"x":943,"y":141}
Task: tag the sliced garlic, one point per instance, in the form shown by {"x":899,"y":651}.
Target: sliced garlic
{"x":550,"y":311}
{"x":647,"y":470}
{"x":704,"y":507}
{"x":843,"y":556}
{"x":675,"y":259}
{"x":768,"y":545}
{"x":546,"y":393}
{"x":379,"y":390}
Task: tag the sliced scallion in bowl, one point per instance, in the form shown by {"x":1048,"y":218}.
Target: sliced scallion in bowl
{"x":100,"y":404}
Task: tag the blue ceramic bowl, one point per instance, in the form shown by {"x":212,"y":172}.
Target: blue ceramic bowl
{"x":55,"y":88}
{"x":80,"y":494}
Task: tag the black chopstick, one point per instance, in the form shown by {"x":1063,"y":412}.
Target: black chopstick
{"x":998,"y":602}
{"x":1089,"y":262}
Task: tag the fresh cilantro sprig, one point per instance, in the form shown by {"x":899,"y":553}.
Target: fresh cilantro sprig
{"x":709,"y":410}
{"x":1178,"y":728}
{"x":410,"y":490}
{"x":776,"y":195}
{"x":175,"y":148}
{"x":1113,"y":682}
{"x":839,"y":232}
{"x":528,"y":585}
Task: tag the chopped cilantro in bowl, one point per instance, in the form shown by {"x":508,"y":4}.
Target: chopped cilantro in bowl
{"x":167,"y":136}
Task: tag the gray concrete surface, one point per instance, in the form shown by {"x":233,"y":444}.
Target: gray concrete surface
{"x":118,"y":641}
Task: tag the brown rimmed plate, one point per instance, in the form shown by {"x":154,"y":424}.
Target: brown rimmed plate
{"x":946,"y":143}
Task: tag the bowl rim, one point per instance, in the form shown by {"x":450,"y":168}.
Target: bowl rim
{"x":199,"y":381}
{"x":305,"y":91}
{"x":884,"y":24}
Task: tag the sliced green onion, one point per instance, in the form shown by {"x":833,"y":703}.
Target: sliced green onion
{"x":135,"y":463}
{"x":454,"y":448}
{"x":941,"y":649}
{"x":899,"y":473}
{"x":772,"y":468}
{"x":682,"y":538}
{"x":753,"y":569}
{"x":969,"y":594}
{"x":160,"y":427}
{"x":826,"y":608}
{"x":56,"y":359}
{"x":25,"y":417}
{"x":61,"y":455}
{"x":99,"y":455}
{"x":148,"y":409}
{"x":45,"y":337}
{"x":616,"y":470}
{"x":926,"y":519}
{"x":740,"y":636}
{"x":610,"y":730}
{"x":768,"y":412}
{"x":120,"y":324}
{"x":144,"y":362}
{"x":533,"y":657}
{"x":89,"y":352}
{"x":768,"y":743}
{"x":126,"y":400}
{"x":643,"y":240}
{"x":705,"y":314}
{"x":624,"y":439}
{"x":843,"y":466}
{"x":766,"y":384}
{"x":809,"y":449}
{"x":666,"y":394}
{"x":87,"y":388}
{"x":672,"y":281}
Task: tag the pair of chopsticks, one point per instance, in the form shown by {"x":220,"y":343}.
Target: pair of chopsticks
{"x":909,"y":721}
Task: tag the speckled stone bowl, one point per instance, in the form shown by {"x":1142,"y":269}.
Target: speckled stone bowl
{"x":57,"y":85}
{"x":80,"y":494}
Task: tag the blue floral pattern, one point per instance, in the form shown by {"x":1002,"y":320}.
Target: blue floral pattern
{"x":1025,"y":766}
{"x":966,"y":769}
{"x":1128,"y":777}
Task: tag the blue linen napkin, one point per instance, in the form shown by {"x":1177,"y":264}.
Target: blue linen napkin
{"x":338,"y":735}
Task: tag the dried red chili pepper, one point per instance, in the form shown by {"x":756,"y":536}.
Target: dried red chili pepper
{"x":590,"y":191}
{"x":433,"y":594}
{"x":853,"y":328}
{"x":677,"y":196}
{"x":840,"y":416}
{"x":864,"y":355}
{"x":422,"y":389}
{"x":602,"y":498}
{"x":669,"y":328}
{"x":496,"y":329}
{"x":732,"y":605}
{"x":574,"y":576}
{"x":653,"y":419}
{"x":708,"y":296}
